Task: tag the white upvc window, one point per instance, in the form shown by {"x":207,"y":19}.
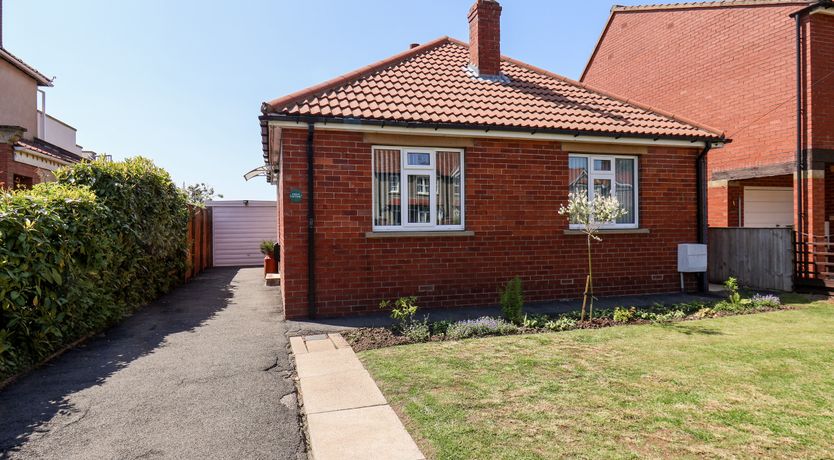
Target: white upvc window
{"x":609,"y":175}
{"x":429,"y":190}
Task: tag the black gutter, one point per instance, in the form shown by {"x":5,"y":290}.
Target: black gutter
{"x":703,"y":231}
{"x":311,"y":226}
{"x":800,"y":155}
{"x":465,"y":126}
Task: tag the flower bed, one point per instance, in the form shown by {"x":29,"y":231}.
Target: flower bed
{"x":404,"y":332}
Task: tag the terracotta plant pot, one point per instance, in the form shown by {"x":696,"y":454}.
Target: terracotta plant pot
{"x":270,"y":265}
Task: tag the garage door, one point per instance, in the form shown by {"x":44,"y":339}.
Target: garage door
{"x":766,"y":207}
{"x":239,"y":228}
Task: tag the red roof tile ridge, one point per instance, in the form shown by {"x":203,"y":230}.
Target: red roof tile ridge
{"x":707,"y":4}
{"x":611,"y":95}
{"x":299,"y":96}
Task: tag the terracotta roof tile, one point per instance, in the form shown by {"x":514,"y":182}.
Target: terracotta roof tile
{"x":432,"y":84}
{"x":45,"y":148}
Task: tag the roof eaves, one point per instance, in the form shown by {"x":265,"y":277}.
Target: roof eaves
{"x":25,"y":68}
{"x":306,"y":119}
{"x":710,"y":130}
{"x":303,"y":94}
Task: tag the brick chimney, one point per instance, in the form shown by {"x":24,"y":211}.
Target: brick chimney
{"x":485,"y":37}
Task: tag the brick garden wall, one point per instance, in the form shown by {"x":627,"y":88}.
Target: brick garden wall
{"x":513,"y":191}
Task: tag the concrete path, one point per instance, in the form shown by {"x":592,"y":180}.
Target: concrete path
{"x":202,"y":373}
{"x":347,"y":416}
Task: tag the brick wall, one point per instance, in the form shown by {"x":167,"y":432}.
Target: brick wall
{"x":9,"y":167}
{"x":730,"y":68}
{"x":821,"y":94}
{"x":513,"y":191}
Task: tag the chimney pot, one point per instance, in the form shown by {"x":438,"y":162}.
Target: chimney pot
{"x":485,"y":37}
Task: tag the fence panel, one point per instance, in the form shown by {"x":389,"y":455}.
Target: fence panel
{"x":199,"y":241}
{"x":761,"y":258}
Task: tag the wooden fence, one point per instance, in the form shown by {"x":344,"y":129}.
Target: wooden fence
{"x":199,"y":241}
{"x":761,"y":258}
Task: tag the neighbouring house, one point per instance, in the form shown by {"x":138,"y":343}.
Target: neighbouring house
{"x":32,"y":142}
{"x":760,"y":70}
{"x":438,"y":173}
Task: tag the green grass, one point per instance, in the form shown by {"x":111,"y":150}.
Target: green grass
{"x":745,"y":386}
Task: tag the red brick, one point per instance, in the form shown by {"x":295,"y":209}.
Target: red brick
{"x":513,"y":191}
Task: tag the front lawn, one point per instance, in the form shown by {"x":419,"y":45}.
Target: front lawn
{"x":743,"y":386}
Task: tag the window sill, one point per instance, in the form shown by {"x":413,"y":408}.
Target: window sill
{"x":613,"y":231}
{"x":423,"y":234}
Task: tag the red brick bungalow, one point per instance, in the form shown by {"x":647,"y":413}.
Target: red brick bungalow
{"x":438,"y":173}
{"x":760,"y":70}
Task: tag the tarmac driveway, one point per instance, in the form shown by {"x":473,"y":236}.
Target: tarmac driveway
{"x":204,"y":372}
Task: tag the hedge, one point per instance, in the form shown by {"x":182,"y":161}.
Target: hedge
{"x":77,"y":255}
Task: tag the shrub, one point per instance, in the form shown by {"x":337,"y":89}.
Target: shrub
{"x":734,"y":297}
{"x":267,"y":247}
{"x":55,"y":285}
{"x":534,"y":322}
{"x":148,"y":218}
{"x":480,"y":327}
{"x":624,"y":315}
{"x":705,"y":313}
{"x":563,"y":323}
{"x":417,"y":331}
{"x":440,"y":327}
{"x":78,"y":254}
{"x":668,"y":317}
{"x":402,"y":311}
{"x":512,"y":301}
{"x":766,"y":301}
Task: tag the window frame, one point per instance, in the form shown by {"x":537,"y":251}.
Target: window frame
{"x":430,"y":170}
{"x":612,"y":176}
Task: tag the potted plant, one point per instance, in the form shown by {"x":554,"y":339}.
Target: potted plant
{"x":270,"y":264}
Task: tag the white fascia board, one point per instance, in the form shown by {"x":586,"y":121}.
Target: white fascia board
{"x":493,"y":134}
{"x":37,"y":160}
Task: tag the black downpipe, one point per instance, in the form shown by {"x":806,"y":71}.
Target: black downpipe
{"x":311,"y":226}
{"x":701,"y":177}
{"x":800,"y":157}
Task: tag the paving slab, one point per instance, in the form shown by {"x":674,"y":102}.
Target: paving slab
{"x":324,"y":344}
{"x":329,"y":362}
{"x":339,"y":391}
{"x":297,"y":345}
{"x":347,"y":416}
{"x":368,"y":433}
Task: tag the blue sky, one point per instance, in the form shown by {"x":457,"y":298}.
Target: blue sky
{"x":181,"y":81}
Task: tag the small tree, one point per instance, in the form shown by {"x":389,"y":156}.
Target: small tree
{"x":591,"y":215}
{"x":199,"y":194}
{"x":512,"y":301}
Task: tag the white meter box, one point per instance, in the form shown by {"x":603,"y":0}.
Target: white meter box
{"x":692,"y":258}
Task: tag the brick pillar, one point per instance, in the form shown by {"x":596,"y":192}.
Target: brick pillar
{"x":815,"y":202}
{"x":8,"y":136}
{"x":292,"y":227}
{"x":718,"y":204}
